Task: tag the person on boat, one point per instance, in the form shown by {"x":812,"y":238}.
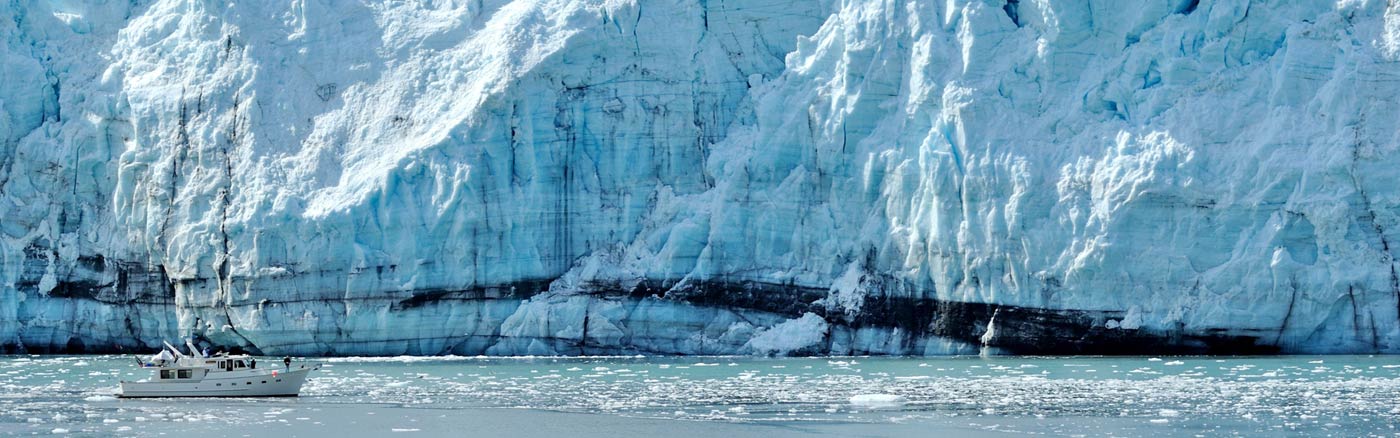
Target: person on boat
{"x":287,"y":360}
{"x":253,"y":363}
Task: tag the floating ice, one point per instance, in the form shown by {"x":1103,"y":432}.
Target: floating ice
{"x":878,"y":401}
{"x":1223,"y":391}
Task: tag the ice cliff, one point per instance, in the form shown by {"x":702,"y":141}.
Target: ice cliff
{"x":701,"y":176}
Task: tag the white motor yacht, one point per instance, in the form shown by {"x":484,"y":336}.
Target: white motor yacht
{"x":175,"y":374}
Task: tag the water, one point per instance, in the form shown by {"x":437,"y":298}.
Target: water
{"x":732,"y":396}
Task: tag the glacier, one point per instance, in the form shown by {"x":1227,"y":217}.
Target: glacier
{"x":561,"y":177}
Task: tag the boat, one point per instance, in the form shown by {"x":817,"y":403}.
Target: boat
{"x":176,"y":374}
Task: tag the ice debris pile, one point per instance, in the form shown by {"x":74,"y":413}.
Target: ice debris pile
{"x":689,"y":176}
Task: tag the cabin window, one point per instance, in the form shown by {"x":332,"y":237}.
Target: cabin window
{"x":239,"y":364}
{"x":167,"y":374}
{"x":223,"y":365}
{"x":185,"y":374}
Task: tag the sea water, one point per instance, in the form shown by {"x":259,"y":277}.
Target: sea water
{"x":735,"y":396}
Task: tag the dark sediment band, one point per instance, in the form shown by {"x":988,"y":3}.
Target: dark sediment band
{"x":1018,"y":330}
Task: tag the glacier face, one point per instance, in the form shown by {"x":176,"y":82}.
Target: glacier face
{"x":700,"y":176}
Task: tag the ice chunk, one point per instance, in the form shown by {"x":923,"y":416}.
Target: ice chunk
{"x":878,"y":401}
{"x":792,"y":335}
{"x":1132,"y":320}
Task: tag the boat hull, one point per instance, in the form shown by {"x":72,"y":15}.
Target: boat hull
{"x":285,"y":383}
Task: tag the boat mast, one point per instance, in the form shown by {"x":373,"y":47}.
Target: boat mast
{"x":173,"y":350}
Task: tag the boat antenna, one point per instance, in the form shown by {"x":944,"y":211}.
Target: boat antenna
{"x":172,"y":349}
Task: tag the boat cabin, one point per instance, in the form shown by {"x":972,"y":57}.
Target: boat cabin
{"x":234,"y":364}
{"x":176,"y":374}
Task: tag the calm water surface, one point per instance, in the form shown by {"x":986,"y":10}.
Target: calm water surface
{"x":736,"y":397}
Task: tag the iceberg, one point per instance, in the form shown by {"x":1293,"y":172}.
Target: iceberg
{"x":561,"y":177}
{"x":878,"y":401}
